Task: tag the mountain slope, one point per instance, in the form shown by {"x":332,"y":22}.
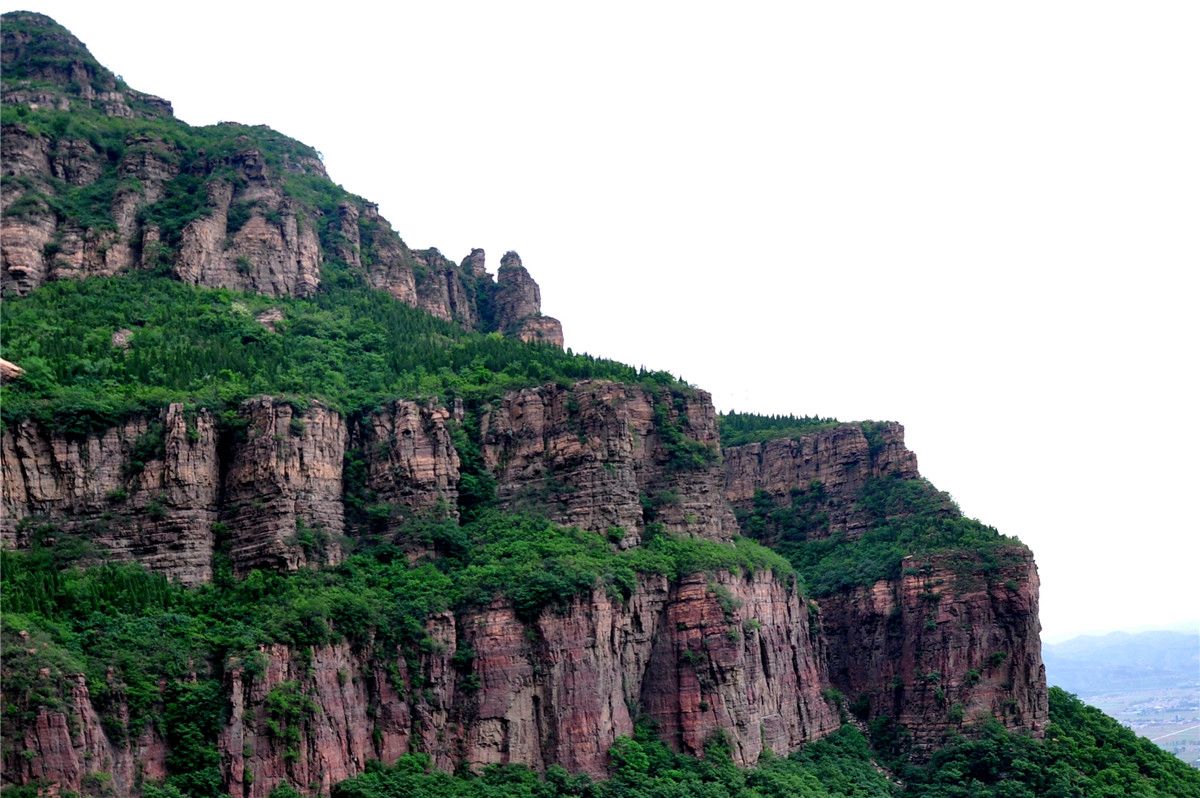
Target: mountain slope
{"x":102,"y":180}
{"x":284,"y":499}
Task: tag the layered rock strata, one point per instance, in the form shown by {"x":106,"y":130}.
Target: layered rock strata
{"x":154,"y":488}
{"x":599,"y":455}
{"x":69,"y":746}
{"x":954,"y":640}
{"x":842,"y":459}
{"x":145,"y":490}
{"x":282,"y":501}
{"x":950,"y":643}
{"x":556,"y":690}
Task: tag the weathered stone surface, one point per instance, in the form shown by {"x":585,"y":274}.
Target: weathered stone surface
{"x":283,"y":487}
{"x":556,"y":690}
{"x":476,"y":263}
{"x":152,"y":164}
{"x":517,"y":295}
{"x":347,"y":245}
{"x":391,"y":261}
{"x":85,"y":253}
{"x":409,"y":460}
{"x":336,"y":740}
{"x":61,"y":747}
{"x":541,"y":330}
{"x":25,"y":155}
{"x":10,"y":371}
{"x":441,"y":290}
{"x":75,"y":162}
{"x":518,"y":304}
{"x":944,"y":646}
{"x":840,"y":458}
{"x":588,"y":455}
{"x":713,"y":669}
{"x":23,"y":248}
{"x":277,"y":258}
{"x":157,"y":510}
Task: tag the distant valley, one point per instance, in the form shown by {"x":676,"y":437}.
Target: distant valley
{"x":1149,"y":681}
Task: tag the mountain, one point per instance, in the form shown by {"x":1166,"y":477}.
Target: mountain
{"x":289,"y":507}
{"x":102,"y":180}
{"x":1090,"y":665}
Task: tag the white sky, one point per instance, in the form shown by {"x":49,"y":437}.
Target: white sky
{"x":978,"y":219}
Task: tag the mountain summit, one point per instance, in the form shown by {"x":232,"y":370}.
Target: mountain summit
{"x":102,"y":180}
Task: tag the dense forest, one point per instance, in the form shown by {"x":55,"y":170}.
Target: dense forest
{"x":350,"y":346}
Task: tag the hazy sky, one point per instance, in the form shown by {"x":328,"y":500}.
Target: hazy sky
{"x":981,"y":220}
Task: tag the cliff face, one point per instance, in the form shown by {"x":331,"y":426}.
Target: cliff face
{"x":954,"y":639}
{"x":69,"y":745}
{"x":597,"y":455}
{"x":227,"y":206}
{"x":951,"y":642}
{"x":841,"y":459}
{"x":286,"y":485}
{"x":610,"y":458}
{"x":154,"y":489}
{"x":146,"y":490}
{"x":283,"y":487}
{"x":557,"y":690}
{"x":518,"y":305}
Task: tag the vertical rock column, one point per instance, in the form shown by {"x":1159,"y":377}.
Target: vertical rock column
{"x":283,"y":489}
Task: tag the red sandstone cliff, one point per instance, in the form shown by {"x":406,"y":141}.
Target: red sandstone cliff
{"x":951,"y":640}
{"x":557,"y":690}
{"x":954,"y":639}
{"x":841,"y":459}
{"x":598,"y":456}
{"x":257,"y":226}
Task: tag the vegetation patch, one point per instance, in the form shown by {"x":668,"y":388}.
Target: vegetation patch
{"x":742,"y":428}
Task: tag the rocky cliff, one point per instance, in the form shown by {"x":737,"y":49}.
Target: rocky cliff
{"x":723,"y":652}
{"x":951,"y":640}
{"x":145,"y":490}
{"x":225,"y":206}
{"x":610,"y":458}
{"x":153,"y":489}
{"x":634,"y":468}
{"x":841,"y":459}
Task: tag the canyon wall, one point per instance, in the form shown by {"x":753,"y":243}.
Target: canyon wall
{"x":555,"y":690}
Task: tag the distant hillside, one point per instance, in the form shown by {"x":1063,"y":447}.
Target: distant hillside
{"x":1122,"y":661}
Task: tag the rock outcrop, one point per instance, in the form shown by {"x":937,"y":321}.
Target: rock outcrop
{"x":225,"y":207}
{"x":67,"y":747}
{"x":610,"y":458}
{"x":10,"y":371}
{"x":518,"y":304}
{"x":284,"y":485}
{"x":145,"y":490}
{"x":842,"y":459}
{"x":282,"y":501}
{"x":409,"y":465}
{"x":37,"y":53}
{"x":556,"y":690}
{"x":951,"y":642}
{"x":723,"y":651}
